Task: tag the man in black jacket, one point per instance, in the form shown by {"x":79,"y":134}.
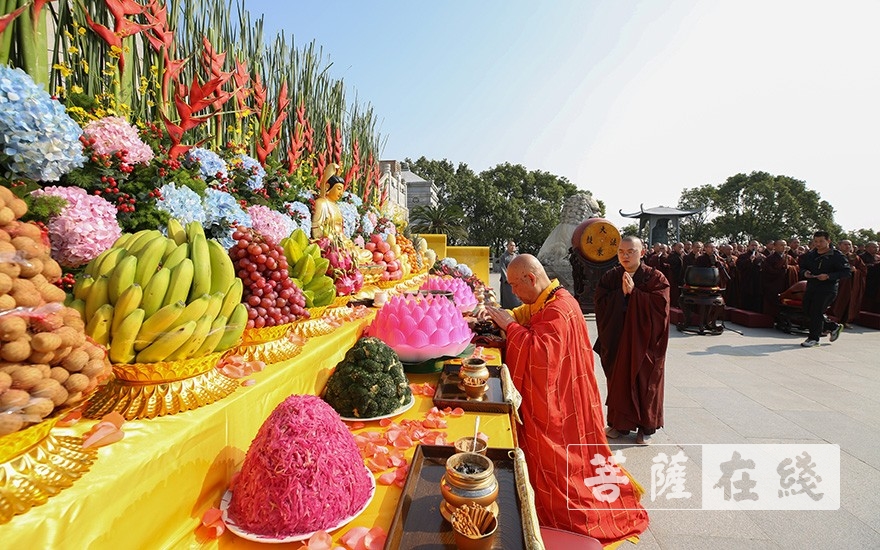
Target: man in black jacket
{"x":822,"y":267}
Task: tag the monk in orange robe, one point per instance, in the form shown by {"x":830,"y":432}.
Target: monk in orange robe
{"x":550,"y":358}
{"x":632,"y":315}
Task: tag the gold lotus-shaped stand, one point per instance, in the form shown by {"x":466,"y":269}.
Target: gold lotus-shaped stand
{"x":311,"y":328}
{"x":339,"y":301}
{"x":269,"y":344}
{"x":317,"y":312}
{"x":36,"y":465}
{"x":148,"y":390}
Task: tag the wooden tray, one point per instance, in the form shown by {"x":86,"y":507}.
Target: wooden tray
{"x":448,"y":393}
{"x":417,"y":521}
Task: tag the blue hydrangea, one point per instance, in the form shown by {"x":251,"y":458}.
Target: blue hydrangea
{"x":222,"y":215}
{"x":348,"y":196}
{"x":39,"y":140}
{"x":182,"y":203}
{"x":449,"y":262}
{"x":252,"y":167}
{"x":349,"y":217}
{"x":367,"y":226}
{"x":464,"y":270}
{"x":210,"y":163}
{"x":301,"y":215}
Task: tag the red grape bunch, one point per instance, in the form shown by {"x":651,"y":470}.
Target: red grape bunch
{"x":269,"y":294}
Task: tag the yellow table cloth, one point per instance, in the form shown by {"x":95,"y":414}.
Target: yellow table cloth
{"x":150,"y":489}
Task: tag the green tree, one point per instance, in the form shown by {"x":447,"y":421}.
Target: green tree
{"x":762,"y":206}
{"x":631,"y":230}
{"x":504,"y":202}
{"x":697,"y":227}
{"x":525,"y":206}
{"x":862,"y":236}
{"x":446,"y":219}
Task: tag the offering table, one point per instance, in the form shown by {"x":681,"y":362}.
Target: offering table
{"x":150,"y":489}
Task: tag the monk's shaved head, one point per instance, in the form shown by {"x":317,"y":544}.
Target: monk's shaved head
{"x":526,"y":263}
{"x":527,"y":278}
{"x":635,"y":241}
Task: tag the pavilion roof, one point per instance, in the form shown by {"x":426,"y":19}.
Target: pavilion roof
{"x":661,"y":211}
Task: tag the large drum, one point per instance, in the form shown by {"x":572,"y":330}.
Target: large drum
{"x":593,"y":252}
{"x":596,"y":239}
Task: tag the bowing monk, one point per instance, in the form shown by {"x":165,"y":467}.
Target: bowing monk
{"x":632,"y":315}
{"x":551,"y":362}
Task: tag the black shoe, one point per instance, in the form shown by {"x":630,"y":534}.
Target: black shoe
{"x":835,"y":334}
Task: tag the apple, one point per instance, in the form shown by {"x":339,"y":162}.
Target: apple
{"x":383,"y":247}
{"x":377,"y":257}
{"x":389,"y":256}
{"x":371,"y":246}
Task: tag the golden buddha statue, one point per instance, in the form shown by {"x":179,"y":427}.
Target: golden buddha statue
{"x":327,"y":219}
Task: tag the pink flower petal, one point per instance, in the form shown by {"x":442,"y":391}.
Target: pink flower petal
{"x":375,"y":539}
{"x":387,"y":478}
{"x":321,"y":540}
{"x":354,"y":536}
{"x":211,"y":516}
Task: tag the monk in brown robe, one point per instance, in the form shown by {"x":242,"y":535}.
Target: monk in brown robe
{"x":774,"y":277}
{"x":850,"y":291}
{"x":871,"y":259}
{"x":675,"y":272}
{"x":748,"y":275}
{"x":551,"y":363}
{"x":632,"y":315}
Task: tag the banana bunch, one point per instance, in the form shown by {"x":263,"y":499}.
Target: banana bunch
{"x":308,"y":269}
{"x":152,"y":298}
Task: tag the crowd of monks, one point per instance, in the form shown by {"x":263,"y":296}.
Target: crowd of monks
{"x":754,"y":275}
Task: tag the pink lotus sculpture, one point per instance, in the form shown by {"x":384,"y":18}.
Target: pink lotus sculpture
{"x":461,"y":292}
{"x":419,"y":328}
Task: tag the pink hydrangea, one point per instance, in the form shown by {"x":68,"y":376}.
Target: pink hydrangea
{"x":270,"y":223}
{"x":112,"y":134}
{"x":85,"y":227}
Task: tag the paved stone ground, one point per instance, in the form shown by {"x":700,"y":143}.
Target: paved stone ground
{"x":759,"y":386}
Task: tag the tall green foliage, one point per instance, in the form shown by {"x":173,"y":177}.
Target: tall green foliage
{"x":121,"y":64}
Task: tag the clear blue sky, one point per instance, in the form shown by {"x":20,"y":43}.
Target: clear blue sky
{"x":632,"y":100}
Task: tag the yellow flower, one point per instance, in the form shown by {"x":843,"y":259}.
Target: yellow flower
{"x":68,"y":35}
{"x":73,"y":50}
{"x":76,"y":89}
{"x":80,"y":30}
{"x":63,"y":69}
{"x":85,"y":66}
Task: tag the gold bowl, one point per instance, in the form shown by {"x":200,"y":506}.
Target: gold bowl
{"x":35,"y":465}
{"x":148,"y":390}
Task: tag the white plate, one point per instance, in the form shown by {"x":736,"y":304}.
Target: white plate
{"x":247,"y":535}
{"x":399,"y":410}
